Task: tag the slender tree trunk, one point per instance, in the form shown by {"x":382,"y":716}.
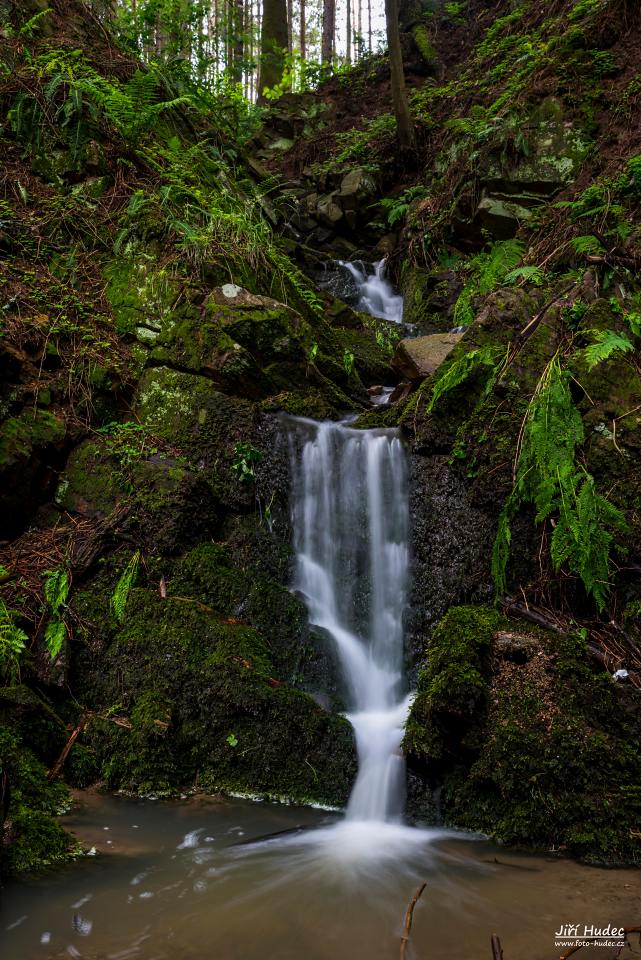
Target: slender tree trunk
{"x":290,"y":26}
{"x":303,"y":30}
{"x":238,"y":33}
{"x":404,"y":126}
{"x":273,"y":43}
{"x":370,"y":43}
{"x":329,"y":27}
{"x":348,"y":29}
{"x":359,"y":29}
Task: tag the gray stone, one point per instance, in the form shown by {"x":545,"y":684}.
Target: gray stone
{"x":418,"y":358}
{"x":328,"y":210}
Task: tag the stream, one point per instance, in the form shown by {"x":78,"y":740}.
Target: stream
{"x":183,"y":881}
{"x":211,"y":878}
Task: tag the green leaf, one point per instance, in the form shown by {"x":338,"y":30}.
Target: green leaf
{"x":605,"y":344}
{"x":55,"y":634}
{"x":125,"y":583}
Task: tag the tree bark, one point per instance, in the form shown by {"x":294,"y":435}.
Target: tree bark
{"x":303,"y":30}
{"x":348,"y":30}
{"x":272,"y":46}
{"x":329,"y":27}
{"x":239,"y":46}
{"x":404,"y":126}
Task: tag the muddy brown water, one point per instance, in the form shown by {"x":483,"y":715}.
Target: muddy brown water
{"x":188,"y":881}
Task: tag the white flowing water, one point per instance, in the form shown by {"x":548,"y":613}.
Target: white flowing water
{"x":376,"y":294}
{"x":350,"y":523}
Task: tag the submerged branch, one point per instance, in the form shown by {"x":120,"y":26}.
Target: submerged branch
{"x":408,"y":919}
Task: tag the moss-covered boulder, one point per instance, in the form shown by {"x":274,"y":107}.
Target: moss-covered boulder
{"x":166,"y":505}
{"x":30,"y":839}
{"x":187,"y":697}
{"x":32,"y":445}
{"x":526,"y":739}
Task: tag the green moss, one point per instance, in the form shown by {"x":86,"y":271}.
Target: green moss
{"x":180,"y":679}
{"x":453,"y":686}
{"x":31,"y":429}
{"x":423,"y":43}
{"x":526,"y":741}
{"x":32,"y":839}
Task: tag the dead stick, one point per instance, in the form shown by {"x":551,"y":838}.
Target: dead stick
{"x":497,"y":949}
{"x":60,"y":762}
{"x":408,"y":919}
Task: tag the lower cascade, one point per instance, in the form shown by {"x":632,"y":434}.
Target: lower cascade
{"x":350,"y":518}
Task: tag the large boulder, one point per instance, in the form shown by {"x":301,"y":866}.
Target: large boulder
{"x":420,"y":357}
{"x":524,"y":738}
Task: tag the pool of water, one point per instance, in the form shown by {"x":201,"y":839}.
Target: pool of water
{"x":197,"y":880}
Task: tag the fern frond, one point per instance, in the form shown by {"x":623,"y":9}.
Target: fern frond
{"x":123,"y":587}
{"x":13,"y":643}
{"x":459,"y":371}
{"x":501,"y":552}
{"x":56,"y":588}
{"x":605,"y":344}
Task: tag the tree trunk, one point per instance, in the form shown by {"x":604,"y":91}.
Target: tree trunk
{"x":303,"y":30}
{"x":290,"y":26}
{"x":329,"y":27}
{"x":370,"y":43}
{"x":404,"y":126}
{"x":272,"y":46}
{"x":239,"y":48}
{"x":348,"y":28}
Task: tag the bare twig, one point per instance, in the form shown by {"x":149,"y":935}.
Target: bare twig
{"x":408,"y":919}
{"x":497,"y":949}
{"x":60,"y":762}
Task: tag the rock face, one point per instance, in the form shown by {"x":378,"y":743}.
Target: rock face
{"x":503,"y":706}
{"x":420,"y":357}
{"x":510,"y":189}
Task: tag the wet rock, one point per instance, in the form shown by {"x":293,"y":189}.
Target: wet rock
{"x":502,"y":217}
{"x":328,"y":210}
{"x":418,"y":358}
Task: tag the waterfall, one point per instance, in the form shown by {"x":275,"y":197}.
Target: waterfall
{"x":376,"y":295}
{"x":349,"y":509}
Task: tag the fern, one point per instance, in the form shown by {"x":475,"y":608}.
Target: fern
{"x":56,"y":590}
{"x":582,"y":536}
{"x":553,"y":429}
{"x":501,"y":550}
{"x":123,"y":587}
{"x":488,"y":270}
{"x":605,"y":344}
{"x":587,"y":245}
{"x":548,"y":478}
{"x":459,"y":371}
{"x":13,"y":642}
{"x":531,"y":273}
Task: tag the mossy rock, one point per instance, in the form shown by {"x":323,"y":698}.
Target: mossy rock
{"x":32,"y":840}
{"x":32,"y":445}
{"x":190,"y":413}
{"x":453,"y":685}
{"x":189,"y":682}
{"x":168,"y":506}
{"x":551,"y":751}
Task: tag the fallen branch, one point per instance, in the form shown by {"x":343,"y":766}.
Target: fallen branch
{"x":408,"y":919}
{"x":60,"y":762}
{"x":497,"y":949}
{"x":515,"y":609}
